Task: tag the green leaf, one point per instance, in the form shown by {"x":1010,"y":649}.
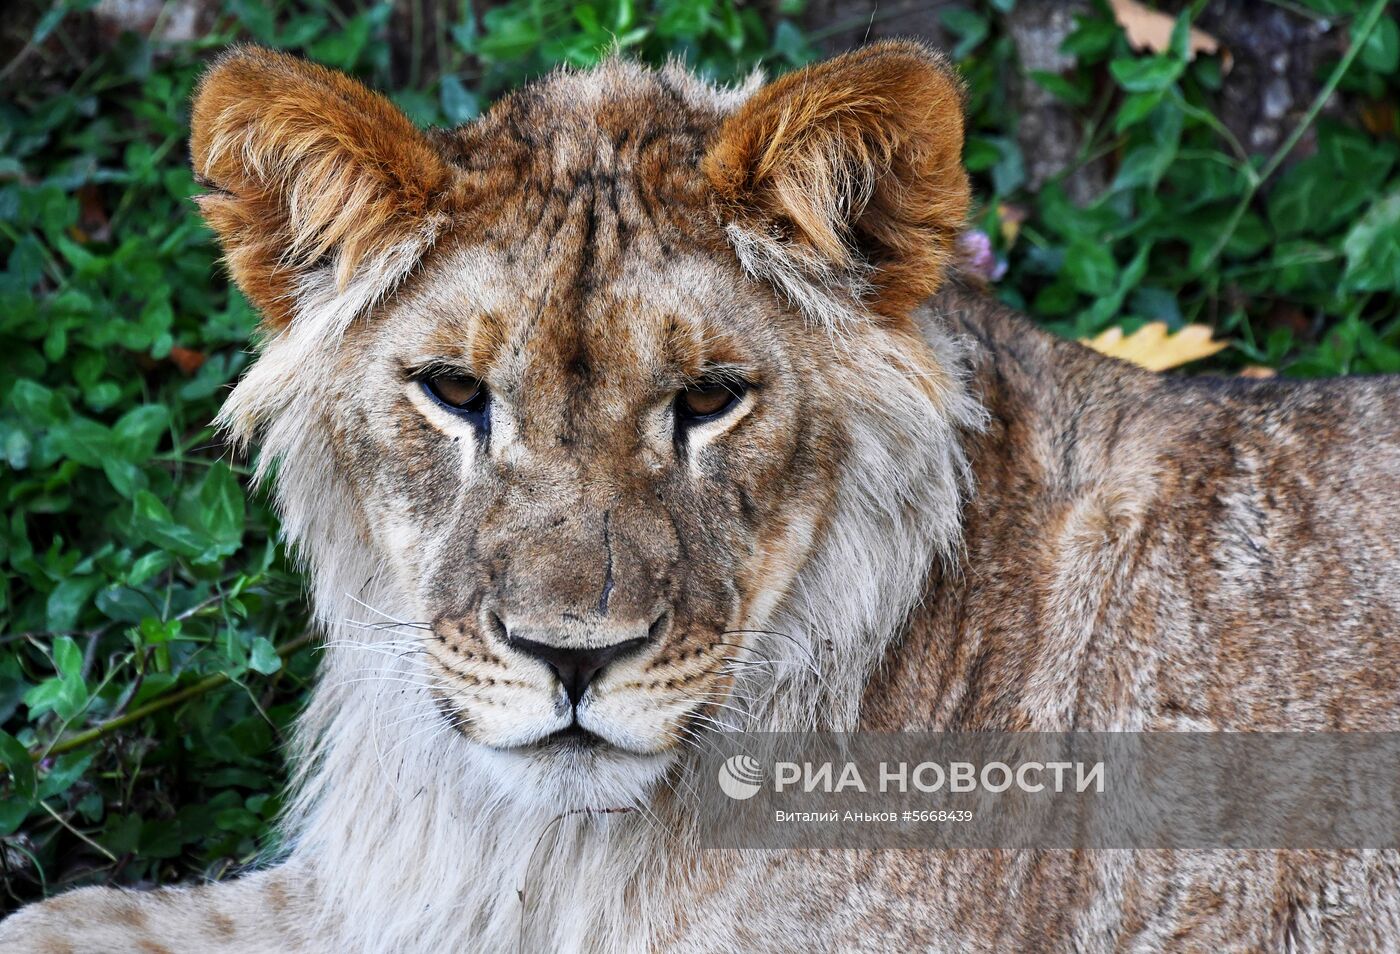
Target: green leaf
{"x":1143,"y":166}
{"x":125,"y":477}
{"x":48,"y":22}
{"x":1381,"y":51}
{"x":1373,"y":248}
{"x":1146,"y":74}
{"x":1090,"y":268}
{"x":264,"y":658}
{"x":1060,"y":87}
{"x":66,"y":770}
{"x":124,"y":604}
{"x":1324,"y":191}
{"x":1091,"y":39}
{"x":420,"y":106}
{"x":1136,"y":107}
{"x":464,"y":34}
{"x":1106,"y":309}
{"x":1009,"y":174}
{"x":36,"y":404}
{"x":458,"y":104}
{"x":1180,"y":46}
{"x":137,"y":433}
{"x":67,"y":600}
{"x":13,"y":812}
{"x":15,"y":758}
{"x":147,"y":567}
{"x":221,"y":509}
{"x":970,"y":28}
{"x":980,"y":154}
{"x":82,"y":440}
{"x":66,"y":695}
{"x":508,"y":33}
{"x":67,"y":657}
{"x":342,"y":48}
{"x":152,"y":520}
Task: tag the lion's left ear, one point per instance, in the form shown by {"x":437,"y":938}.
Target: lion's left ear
{"x":323,"y":191}
{"x":842,"y":183}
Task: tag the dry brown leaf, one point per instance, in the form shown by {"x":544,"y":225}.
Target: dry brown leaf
{"x":187,"y":359}
{"x":1010,"y":218}
{"x":92,"y":215}
{"x":1257,"y":371}
{"x":1156,"y":350}
{"x":1378,"y":117}
{"x":1149,"y":29}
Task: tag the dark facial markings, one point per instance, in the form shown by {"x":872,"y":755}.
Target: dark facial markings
{"x":592,"y":517}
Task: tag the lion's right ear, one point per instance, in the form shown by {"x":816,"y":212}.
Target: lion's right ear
{"x":843,"y":184}
{"x":320,"y":188}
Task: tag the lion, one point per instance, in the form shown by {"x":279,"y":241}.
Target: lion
{"x":641,"y":409}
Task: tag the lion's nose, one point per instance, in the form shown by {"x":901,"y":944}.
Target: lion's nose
{"x":575,"y":667}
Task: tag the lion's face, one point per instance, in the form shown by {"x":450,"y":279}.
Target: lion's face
{"x":594,"y":377}
{"x":592,"y":479}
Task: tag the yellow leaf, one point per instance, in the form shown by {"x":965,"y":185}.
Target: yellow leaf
{"x":1149,"y":29}
{"x":1152,"y":348}
{"x":1010,"y":218}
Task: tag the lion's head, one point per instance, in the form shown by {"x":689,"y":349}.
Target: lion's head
{"x":613,"y":399}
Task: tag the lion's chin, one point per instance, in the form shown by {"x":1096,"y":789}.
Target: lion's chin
{"x":573,"y":772}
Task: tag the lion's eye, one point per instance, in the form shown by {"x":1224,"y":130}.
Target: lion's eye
{"x":707,"y":400}
{"x":455,"y":391}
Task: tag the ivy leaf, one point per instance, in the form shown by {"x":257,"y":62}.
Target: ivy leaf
{"x":15,"y":757}
{"x":1090,"y":40}
{"x":970,"y":28}
{"x":152,"y":521}
{"x":137,"y":433}
{"x":1324,"y":191}
{"x":67,"y":600}
{"x":264,"y":658}
{"x":66,"y":770}
{"x":1060,"y":87}
{"x":1147,"y":74}
{"x":1090,"y":268}
{"x":15,"y":809}
{"x":221,"y":511}
{"x":1108,"y":306}
{"x":1381,"y":51}
{"x":1135,"y":109}
{"x":1373,"y":248}
{"x":66,"y":694}
{"x":458,"y":104}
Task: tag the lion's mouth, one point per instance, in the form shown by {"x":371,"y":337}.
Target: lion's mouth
{"x":571,"y":738}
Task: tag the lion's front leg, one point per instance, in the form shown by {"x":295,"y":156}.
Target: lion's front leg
{"x":262,"y":913}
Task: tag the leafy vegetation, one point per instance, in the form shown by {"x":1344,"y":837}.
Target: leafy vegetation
{"x":154,"y":647}
{"x":1298,"y":265}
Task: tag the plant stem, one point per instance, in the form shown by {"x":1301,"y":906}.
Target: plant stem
{"x":1361,"y":31}
{"x":160,"y":703}
{"x":66,"y":824}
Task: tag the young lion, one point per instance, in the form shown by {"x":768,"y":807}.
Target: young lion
{"x":633,"y":376}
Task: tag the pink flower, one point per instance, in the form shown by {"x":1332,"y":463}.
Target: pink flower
{"x":978,"y":257}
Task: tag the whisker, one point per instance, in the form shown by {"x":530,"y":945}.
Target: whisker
{"x":407,"y":682}
{"x":388,"y":616}
{"x":379,"y":650}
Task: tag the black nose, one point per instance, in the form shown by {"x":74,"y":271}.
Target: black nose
{"x":575,"y":667}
